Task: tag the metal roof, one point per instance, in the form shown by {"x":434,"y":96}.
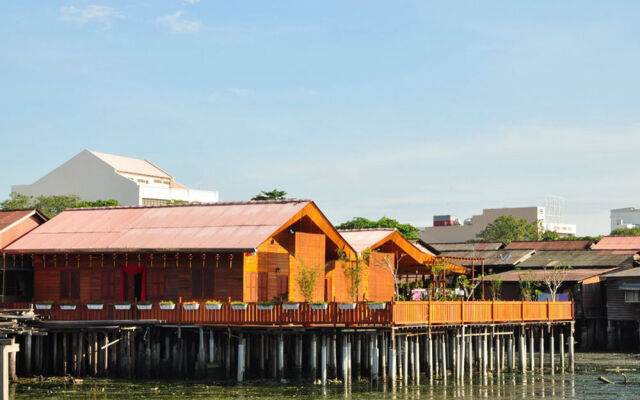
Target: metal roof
{"x":577,"y":259}
{"x":491,"y":257}
{"x":362,"y":239}
{"x":618,"y":243}
{"x":551,"y":245}
{"x":10,"y":217}
{"x":572,"y":275}
{"x":625,"y":273}
{"x":131,"y":165}
{"x":466,"y":246}
{"x":217,"y":226}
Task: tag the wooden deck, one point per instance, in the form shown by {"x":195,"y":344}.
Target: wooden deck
{"x":407,"y":313}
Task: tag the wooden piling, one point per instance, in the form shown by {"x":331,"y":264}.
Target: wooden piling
{"x":27,"y":353}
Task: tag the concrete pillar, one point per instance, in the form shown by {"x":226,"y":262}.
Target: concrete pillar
{"x":510,"y":360}
{"x":430,"y":356}
{"x":392,"y":359}
{"x":323,"y":360}
{"x":498,"y":365}
{"x":240,"y":360}
{"x":333,"y":357}
{"x":345,"y":360}
{"x":470,"y":355}
{"x":405,"y":358}
{"x":571,"y":349}
{"x":281,"y":356}
{"x":417,"y":356}
{"x":27,"y":353}
{"x":313,"y":363}
{"x":373,"y":359}
{"x":443,"y":347}
{"x":552,"y":345}
{"x":541,"y":345}
{"x":523,"y":351}
{"x":611,"y":336}
{"x":561,"y":349}
{"x":412,"y":360}
{"x":485,"y":354}
{"x":532,"y":350}
{"x":212,"y":347}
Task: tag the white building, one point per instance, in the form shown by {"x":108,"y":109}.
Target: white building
{"x":628,"y":217}
{"x":99,"y":176}
{"x":457,"y":231}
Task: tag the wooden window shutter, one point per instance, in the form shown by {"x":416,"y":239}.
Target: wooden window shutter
{"x":262,"y":286}
{"x":208,"y":283}
{"x":75,"y":284}
{"x":64,"y":284}
{"x":108,"y":285}
{"x":196,"y":283}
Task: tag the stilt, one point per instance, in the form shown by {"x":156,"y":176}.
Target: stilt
{"x":470,"y":356}
{"x":611,"y":336}
{"x":392,"y":359}
{"x":240,"y":361}
{"x":280,"y":356}
{"x":227,"y":355}
{"x":463,"y":347}
{"x":443,"y":349}
{"x":27,"y":354}
{"x":323,"y":360}
{"x":541,"y":346}
{"x":532,"y":351}
{"x":273,"y":356}
{"x":523,"y":351}
{"x":510,"y":360}
{"x":201,"y":359}
{"x":405,"y":360}
{"x":345,"y":360}
{"x":417,"y":357}
{"x":333,"y":356}
{"x":571,"y":348}
{"x":313,"y":363}
{"x":491,"y":352}
{"x":358,"y":344}
{"x":382,"y":351}
{"x":262,"y":356}
{"x":430,"y":356}
{"x":561,"y":349}
{"x":212,"y":347}
{"x":485,"y":354}
{"x":552,"y":346}
{"x":498,"y":350}
{"x":412,"y":360}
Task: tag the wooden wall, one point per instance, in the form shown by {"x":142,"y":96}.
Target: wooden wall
{"x":166,"y":279}
{"x":310,"y":248}
{"x":274,"y":258}
{"x":380,"y":280}
{"x":617,"y":309}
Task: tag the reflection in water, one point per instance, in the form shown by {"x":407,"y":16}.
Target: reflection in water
{"x":505,"y":386}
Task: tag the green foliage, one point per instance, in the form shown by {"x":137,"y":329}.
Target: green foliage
{"x":407,"y":230}
{"x":306,"y":280}
{"x":552,"y":235}
{"x":507,"y":229}
{"x":52,"y":205}
{"x":467,"y":286}
{"x":274,"y":194}
{"x":495,"y":285}
{"x":626,"y":232}
{"x":353,"y":271}
{"x":527,"y":286}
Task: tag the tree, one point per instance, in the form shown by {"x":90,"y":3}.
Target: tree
{"x":467,"y":286}
{"x":495,"y":285}
{"x":527,"y":285}
{"x":274,"y":194}
{"x":553,"y":278}
{"x":352,"y":269}
{"x":407,"y":230}
{"x":626,"y":232}
{"x":393,"y":269}
{"x":507,"y":229}
{"x":306,"y":280}
{"x":52,"y":205}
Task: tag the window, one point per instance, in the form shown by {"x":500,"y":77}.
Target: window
{"x":69,"y":285}
{"x":154,"y":202}
{"x":202,"y":283}
{"x":155,"y":283}
{"x":143,"y":181}
{"x":108,"y":285}
{"x":632,"y":296}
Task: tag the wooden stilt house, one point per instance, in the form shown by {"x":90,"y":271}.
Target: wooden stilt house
{"x":239,"y":251}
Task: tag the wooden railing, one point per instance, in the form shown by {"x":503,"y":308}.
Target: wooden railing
{"x":394,"y":314}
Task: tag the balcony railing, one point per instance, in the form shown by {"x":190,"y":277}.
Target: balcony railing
{"x":404,"y":313}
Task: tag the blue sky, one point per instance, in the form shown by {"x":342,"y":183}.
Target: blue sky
{"x":404,"y":109}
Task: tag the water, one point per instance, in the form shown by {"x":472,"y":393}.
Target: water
{"x":584,"y":384}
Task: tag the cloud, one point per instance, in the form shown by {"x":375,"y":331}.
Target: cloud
{"x":92,"y":13}
{"x":192,"y":1}
{"x":177,"y":24}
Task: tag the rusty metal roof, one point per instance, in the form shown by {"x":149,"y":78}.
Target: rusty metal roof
{"x":491,"y":257}
{"x":551,"y":245}
{"x":578,"y":259}
{"x":465,"y":246}
{"x":218,"y":226}
{"x":618,"y":243}
{"x":572,"y":275}
{"x":362,"y":239}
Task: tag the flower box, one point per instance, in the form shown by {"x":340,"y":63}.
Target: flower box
{"x":44,"y":306}
{"x":68,"y":307}
{"x":265,"y":306}
{"x":213,"y":306}
{"x":95,"y":306}
{"x":239,"y":306}
{"x":319,"y":306}
{"x":347,"y":306}
{"x":191,"y":306}
{"x":377,"y":306}
{"x":290,"y":306}
{"x":167,"y":305}
{"x":122,"y":307}
{"x":144,"y":306}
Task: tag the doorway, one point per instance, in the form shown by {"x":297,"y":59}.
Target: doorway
{"x":133,"y":282}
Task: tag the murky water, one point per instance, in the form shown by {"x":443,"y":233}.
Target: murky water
{"x":584,"y":384}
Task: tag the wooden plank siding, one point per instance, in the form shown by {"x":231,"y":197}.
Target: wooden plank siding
{"x":310,"y":248}
{"x":617,"y":308}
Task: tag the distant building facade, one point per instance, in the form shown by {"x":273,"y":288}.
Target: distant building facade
{"x":99,"y":176}
{"x":450,"y":229}
{"x":628,"y":217}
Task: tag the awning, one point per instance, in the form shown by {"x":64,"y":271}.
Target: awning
{"x":630,"y":286}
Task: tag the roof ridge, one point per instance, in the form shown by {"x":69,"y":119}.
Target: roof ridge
{"x":221,"y":203}
{"x":366,"y":229}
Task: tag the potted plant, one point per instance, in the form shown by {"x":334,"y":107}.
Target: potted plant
{"x":319,"y":305}
{"x":212,"y":305}
{"x":289,"y":305}
{"x":191,"y":305}
{"x":167,"y":305}
{"x":95,"y":305}
{"x":265,"y":305}
{"x":44,"y":305}
{"x":377,"y":305}
{"x":352,"y":269}
{"x":144,"y":305}
{"x":68,"y":306}
{"x":122,"y":306}
{"x":238,"y":305}
{"x":306,"y":280}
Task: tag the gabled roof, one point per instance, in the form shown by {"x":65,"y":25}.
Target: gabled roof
{"x":551,"y":245}
{"x":234,"y":226}
{"x":491,"y":257}
{"x":618,"y":243}
{"x":466,"y":246}
{"x":9,"y":218}
{"x":625,"y":273}
{"x":572,"y":275}
{"x":577,"y":259}
{"x":362,"y":239}
{"x":131,"y":165}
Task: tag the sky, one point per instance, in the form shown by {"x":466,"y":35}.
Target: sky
{"x":402,"y":109}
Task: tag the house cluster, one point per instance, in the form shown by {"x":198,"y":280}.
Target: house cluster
{"x":600,"y":277}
